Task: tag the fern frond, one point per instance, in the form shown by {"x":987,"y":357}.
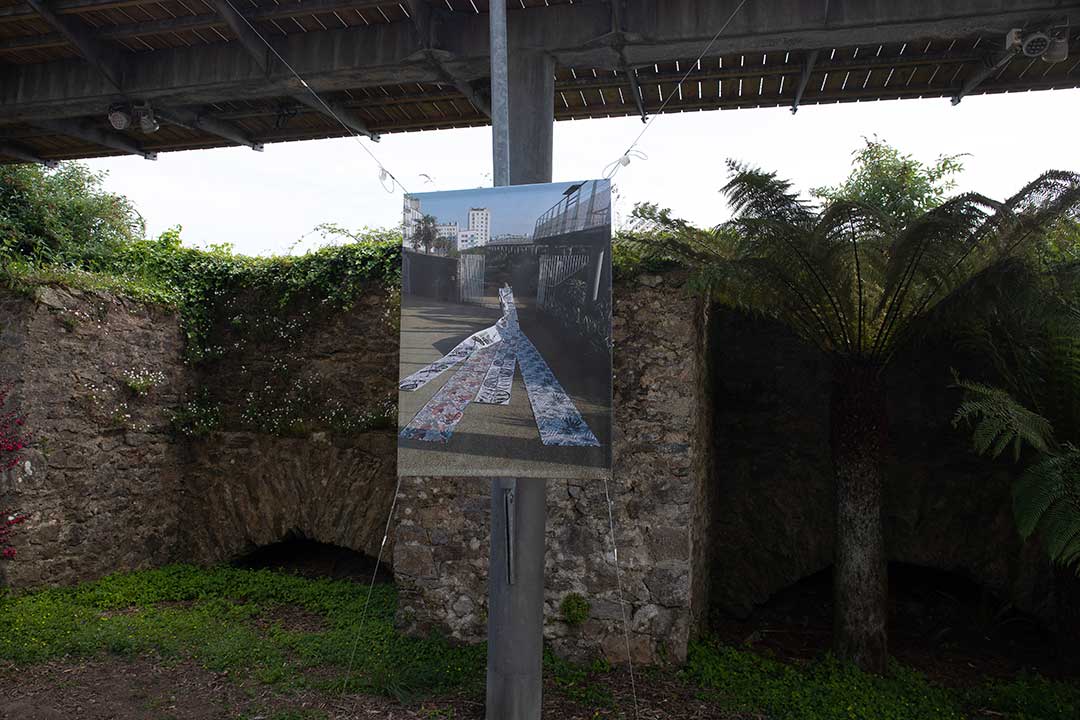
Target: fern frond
{"x":1037,"y":490}
{"x":1000,"y":421}
{"x":1047,"y":499}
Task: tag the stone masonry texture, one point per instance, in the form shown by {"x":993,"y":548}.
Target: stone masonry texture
{"x":720,"y":491}
{"x":441,"y":548}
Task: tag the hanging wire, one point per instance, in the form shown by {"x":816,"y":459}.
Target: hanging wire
{"x":624,"y":159}
{"x":384,"y":174}
{"x":622,"y":600}
{"x":371,"y":585}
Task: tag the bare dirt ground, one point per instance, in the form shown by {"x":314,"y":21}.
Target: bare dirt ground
{"x":113,"y":688}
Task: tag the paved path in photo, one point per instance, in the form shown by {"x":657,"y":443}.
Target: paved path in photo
{"x":480,"y":379}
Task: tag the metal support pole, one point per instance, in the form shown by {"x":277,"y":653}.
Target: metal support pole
{"x":522,"y":108}
{"x":500,"y":100}
{"x":516,"y":599}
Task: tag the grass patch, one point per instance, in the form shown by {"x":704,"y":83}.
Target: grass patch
{"x":741,"y":681}
{"x":209,"y":615}
{"x":580,"y":682}
{"x":224,"y":619}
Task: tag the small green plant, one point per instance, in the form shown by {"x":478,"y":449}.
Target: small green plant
{"x":69,"y":321}
{"x":141,"y":382}
{"x":197,"y":417}
{"x":575,"y":609}
{"x":120,"y":416}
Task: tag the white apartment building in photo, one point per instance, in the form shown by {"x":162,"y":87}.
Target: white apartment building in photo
{"x":480,"y":223}
{"x":448,"y":231}
{"x":468,"y":239}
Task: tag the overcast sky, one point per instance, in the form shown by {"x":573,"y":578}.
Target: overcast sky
{"x":264,"y":202}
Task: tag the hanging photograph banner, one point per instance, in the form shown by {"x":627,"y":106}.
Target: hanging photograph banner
{"x":505,"y":364}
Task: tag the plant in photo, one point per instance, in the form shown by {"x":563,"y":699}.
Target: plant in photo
{"x":141,"y":382}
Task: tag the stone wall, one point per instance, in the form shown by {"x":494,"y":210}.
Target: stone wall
{"x":308,"y":479}
{"x":721,"y":487}
{"x":111,"y":486}
{"x":103,"y":478}
{"x":441,"y":552}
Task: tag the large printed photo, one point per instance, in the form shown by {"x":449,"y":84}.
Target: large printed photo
{"x":506,"y":332}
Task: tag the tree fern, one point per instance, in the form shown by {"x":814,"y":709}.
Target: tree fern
{"x":859,"y":280}
{"x":1047,"y":499}
{"x":1000,"y":421}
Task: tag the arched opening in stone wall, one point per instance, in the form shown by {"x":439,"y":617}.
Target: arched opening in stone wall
{"x":942,"y":623}
{"x":299,"y":555}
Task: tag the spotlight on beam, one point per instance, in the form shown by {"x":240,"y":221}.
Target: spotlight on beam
{"x":1052,"y":44}
{"x":1059,"y":46}
{"x":119,"y":116}
{"x":147,"y":122}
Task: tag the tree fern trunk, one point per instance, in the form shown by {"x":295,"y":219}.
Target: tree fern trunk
{"x":859,"y":434}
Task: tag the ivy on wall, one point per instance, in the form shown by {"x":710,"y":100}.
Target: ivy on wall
{"x":61,"y":227}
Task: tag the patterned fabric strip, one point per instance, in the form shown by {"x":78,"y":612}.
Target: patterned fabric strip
{"x":500,"y":377}
{"x":557,"y":419}
{"x":464,"y":349}
{"x":491,"y":357}
{"x":435,"y":422}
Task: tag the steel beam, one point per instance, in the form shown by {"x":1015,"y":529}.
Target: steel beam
{"x":259,"y":51}
{"x":635,"y":90}
{"x":201,"y":120}
{"x":89,"y":47}
{"x":337,"y":112}
{"x":804,"y":79}
{"x":183,"y":23}
{"x":990,"y":65}
{"x":424,"y":21}
{"x":574,"y":34}
{"x":89,"y":133}
{"x":23,"y":11}
{"x":104,"y":61}
{"x":23,"y":154}
{"x":252,"y":42}
{"x":618,"y":9}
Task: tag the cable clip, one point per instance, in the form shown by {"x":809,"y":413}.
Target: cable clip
{"x":388,"y":181}
{"x":623,"y":161}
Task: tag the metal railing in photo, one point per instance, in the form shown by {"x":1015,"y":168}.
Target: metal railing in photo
{"x":584,"y":206}
{"x":555,"y":270}
{"x":471,"y":278}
